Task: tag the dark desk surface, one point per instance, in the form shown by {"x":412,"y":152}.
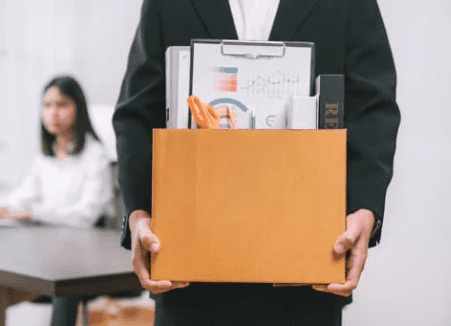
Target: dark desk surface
{"x":64,"y":261}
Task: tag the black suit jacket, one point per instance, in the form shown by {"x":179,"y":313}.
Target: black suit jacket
{"x":350,"y":39}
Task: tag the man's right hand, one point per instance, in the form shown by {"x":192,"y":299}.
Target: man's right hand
{"x":144,"y":242}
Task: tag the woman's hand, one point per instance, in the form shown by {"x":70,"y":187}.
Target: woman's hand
{"x":3,"y":212}
{"x":20,"y":215}
{"x":143,"y":243}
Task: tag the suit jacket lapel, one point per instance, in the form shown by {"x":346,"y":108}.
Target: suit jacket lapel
{"x":217,"y":18}
{"x":289,"y":18}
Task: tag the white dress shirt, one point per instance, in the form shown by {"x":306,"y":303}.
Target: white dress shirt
{"x":75,"y":191}
{"x":254,"y":18}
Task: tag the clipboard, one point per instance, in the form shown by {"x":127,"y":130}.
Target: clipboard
{"x":254,"y":79}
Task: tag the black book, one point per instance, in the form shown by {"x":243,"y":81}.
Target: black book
{"x":331,"y":99}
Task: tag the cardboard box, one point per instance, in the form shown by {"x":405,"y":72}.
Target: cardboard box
{"x":248,"y":205}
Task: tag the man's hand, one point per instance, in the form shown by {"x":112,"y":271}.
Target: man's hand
{"x":144,"y":242}
{"x":359,"y":226}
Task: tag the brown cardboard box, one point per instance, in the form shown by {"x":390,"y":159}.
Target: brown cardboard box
{"x":248,"y":205}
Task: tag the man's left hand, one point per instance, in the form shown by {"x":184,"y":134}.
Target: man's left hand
{"x":353,"y":244}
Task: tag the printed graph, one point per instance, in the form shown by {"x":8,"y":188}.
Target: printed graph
{"x":225,"y":79}
{"x":270,"y":83}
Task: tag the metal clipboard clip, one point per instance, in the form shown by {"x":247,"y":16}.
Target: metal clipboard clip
{"x":252,"y":50}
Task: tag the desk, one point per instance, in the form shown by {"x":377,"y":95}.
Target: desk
{"x":62,"y":261}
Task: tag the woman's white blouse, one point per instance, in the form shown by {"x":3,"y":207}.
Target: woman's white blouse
{"x":75,"y":191}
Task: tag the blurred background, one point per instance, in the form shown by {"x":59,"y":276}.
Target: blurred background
{"x":407,"y":280}
{"x":39,"y":39}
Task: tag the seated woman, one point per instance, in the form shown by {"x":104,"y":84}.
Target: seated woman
{"x":70,"y":181}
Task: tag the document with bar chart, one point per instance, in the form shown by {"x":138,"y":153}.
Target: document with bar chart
{"x":253,"y":79}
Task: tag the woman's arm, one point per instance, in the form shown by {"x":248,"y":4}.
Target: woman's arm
{"x":19,"y":202}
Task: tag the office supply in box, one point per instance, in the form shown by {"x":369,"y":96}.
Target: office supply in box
{"x":330,"y":90}
{"x":177,"y":67}
{"x":253,"y":79}
{"x":248,"y":205}
{"x":325,"y":110}
{"x":207,"y":117}
{"x":302,"y":112}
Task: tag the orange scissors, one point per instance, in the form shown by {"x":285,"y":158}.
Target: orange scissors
{"x":206,"y":116}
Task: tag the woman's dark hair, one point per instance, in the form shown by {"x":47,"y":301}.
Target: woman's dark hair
{"x":69,"y":87}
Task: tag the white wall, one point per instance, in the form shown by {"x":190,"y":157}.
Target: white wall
{"x":40,"y":39}
{"x":407,"y":280}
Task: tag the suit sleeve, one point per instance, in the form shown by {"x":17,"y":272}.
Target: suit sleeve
{"x":140,"y":108}
{"x":372,"y":115}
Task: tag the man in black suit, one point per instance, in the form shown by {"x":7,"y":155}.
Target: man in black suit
{"x":350,"y":39}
